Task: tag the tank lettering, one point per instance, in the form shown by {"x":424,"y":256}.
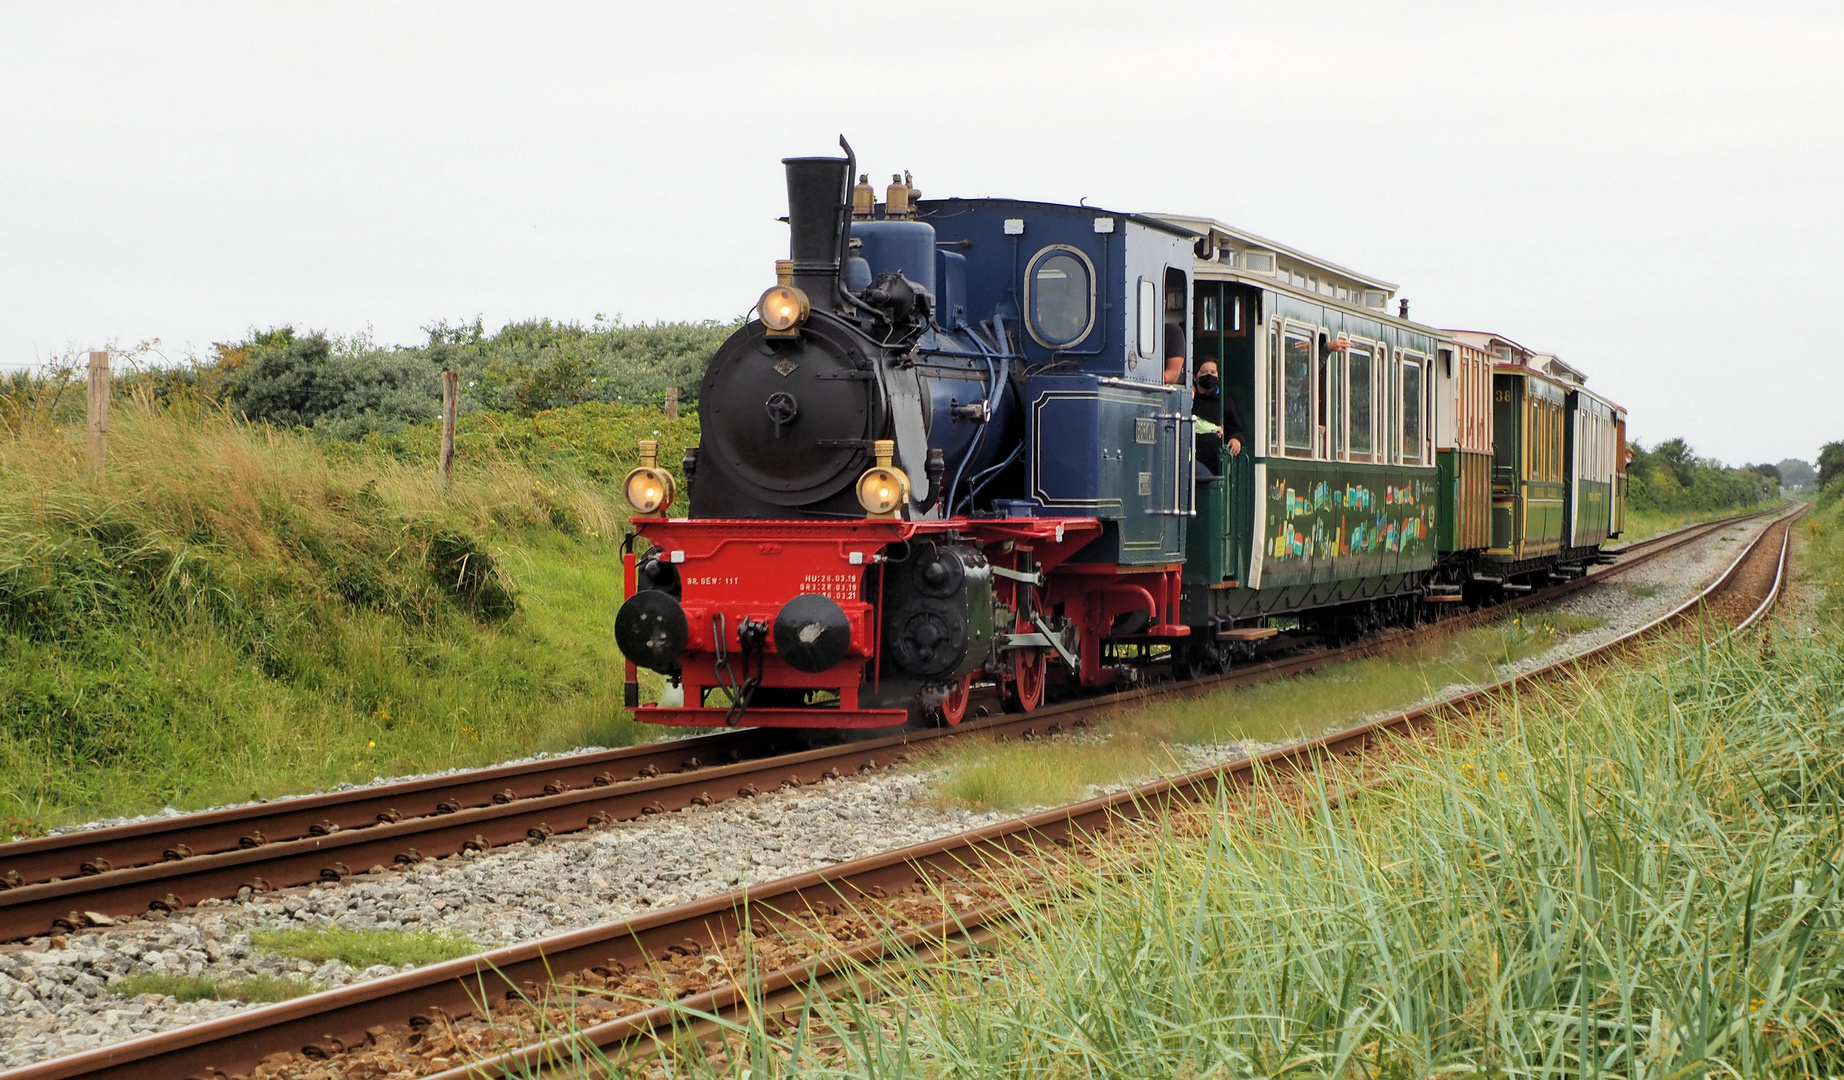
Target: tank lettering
{"x":834,"y":586}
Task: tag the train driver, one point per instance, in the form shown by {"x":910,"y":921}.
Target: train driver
{"x":1174,"y":354}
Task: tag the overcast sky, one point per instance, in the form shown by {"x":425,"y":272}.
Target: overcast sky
{"x":1653,"y":192}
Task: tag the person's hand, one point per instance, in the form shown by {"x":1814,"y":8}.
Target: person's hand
{"x":1235,"y":447}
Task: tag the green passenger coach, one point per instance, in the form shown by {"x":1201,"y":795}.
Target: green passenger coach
{"x":1330,"y":511}
{"x":1527,"y":477}
{"x":1386,"y":467}
{"x":1595,"y":468}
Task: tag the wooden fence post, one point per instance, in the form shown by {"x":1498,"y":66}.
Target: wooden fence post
{"x":451,"y":393}
{"x":98,"y":410}
{"x":672,"y":403}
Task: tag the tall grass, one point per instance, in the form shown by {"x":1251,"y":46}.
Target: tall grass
{"x":1634,"y":876}
{"x":226,"y":611}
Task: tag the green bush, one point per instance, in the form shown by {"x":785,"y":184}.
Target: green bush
{"x":1671,"y":479}
{"x":341,"y":389}
{"x":1831,"y":471}
{"x":529,"y":367}
{"x":1795,"y":473}
{"x":351,"y":388}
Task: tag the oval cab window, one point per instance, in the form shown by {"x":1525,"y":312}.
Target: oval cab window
{"x":1061,"y":289}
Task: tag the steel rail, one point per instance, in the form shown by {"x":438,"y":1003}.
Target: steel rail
{"x":1773,"y":593}
{"x":499,"y":816}
{"x":329,"y":1022}
{"x":83,"y":853}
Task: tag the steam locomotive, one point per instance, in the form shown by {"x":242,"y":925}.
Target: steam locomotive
{"x":965,"y":442}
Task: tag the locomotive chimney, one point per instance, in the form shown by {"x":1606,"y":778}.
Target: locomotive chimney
{"x":819,"y":197}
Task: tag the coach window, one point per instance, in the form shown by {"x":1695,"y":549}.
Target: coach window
{"x":1297,"y":391}
{"x":1412,"y":368}
{"x":1335,"y":448}
{"x":1533,"y":426}
{"x":1274,"y":388}
{"x":1552,"y":424}
{"x":1149,"y":317}
{"x":1060,"y":296}
{"x":1550,"y":416}
{"x":1219,"y":314}
{"x":1361,"y":401}
{"x":1555,"y":442}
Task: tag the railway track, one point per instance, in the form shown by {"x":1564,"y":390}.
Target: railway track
{"x":65,"y":882}
{"x":495,"y":1014}
{"x":791,"y":935}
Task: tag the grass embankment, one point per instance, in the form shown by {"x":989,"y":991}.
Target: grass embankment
{"x":1638,"y":875}
{"x":227,"y":612}
{"x":1645,"y":524}
{"x":983,"y":775}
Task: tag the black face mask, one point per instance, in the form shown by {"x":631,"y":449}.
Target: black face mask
{"x":1206,"y":384}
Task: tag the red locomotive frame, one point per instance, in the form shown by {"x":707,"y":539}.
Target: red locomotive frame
{"x":736,"y":570}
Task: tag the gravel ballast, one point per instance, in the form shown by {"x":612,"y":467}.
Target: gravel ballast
{"x":56,"y":993}
{"x":1636,"y":597}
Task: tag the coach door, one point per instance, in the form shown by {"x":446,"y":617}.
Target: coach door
{"x":1220,"y":318}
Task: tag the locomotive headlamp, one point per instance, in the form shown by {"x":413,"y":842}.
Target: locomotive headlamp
{"x":648,"y":488}
{"x":883,"y":489}
{"x":783,"y":308}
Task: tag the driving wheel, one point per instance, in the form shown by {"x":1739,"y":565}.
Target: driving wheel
{"x":1024,"y":686}
{"x":954,"y":706}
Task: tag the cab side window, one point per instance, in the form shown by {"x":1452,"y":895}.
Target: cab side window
{"x":1060,"y":290}
{"x":1148,"y":344}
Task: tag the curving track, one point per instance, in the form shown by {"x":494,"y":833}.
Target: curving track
{"x":813,"y":928}
{"x":63,"y":882}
